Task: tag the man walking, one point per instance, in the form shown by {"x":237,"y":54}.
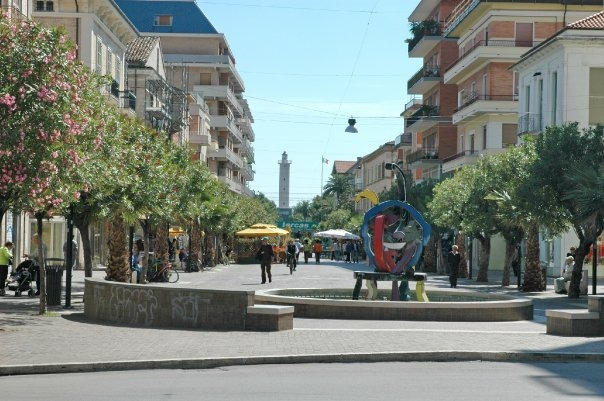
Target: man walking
{"x":265,"y":256}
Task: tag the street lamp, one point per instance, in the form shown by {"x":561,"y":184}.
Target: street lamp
{"x":351,"y":128}
{"x":403,"y":189}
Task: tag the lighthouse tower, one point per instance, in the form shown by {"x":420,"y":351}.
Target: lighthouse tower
{"x":284,"y":209}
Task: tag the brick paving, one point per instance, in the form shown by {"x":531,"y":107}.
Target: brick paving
{"x":33,"y":343}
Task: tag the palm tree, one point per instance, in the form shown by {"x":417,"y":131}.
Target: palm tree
{"x":338,"y":185}
{"x":303,"y":209}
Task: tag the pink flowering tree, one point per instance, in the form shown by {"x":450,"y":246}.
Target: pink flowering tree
{"x":47,"y":127}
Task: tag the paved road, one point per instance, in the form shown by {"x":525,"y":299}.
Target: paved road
{"x":66,"y":341}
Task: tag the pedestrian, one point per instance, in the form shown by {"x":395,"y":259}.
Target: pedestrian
{"x":299,"y":248}
{"x":74,"y":252}
{"x":333,"y":250}
{"x":454,"y":259}
{"x":172,"y":246}
{"x":317,"y":248}
{"x":290,"y":252}
{"x":572,"y":252}
{"x":265,"y":256}
{"x":6,"y":258}
{"x":566,"y":275}
{"x":355,"y":251}
{"x":348,"y":251}
{"x":307,"y":250}
{"x":34,"y":255}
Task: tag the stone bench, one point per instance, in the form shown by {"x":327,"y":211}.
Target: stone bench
{"x":156,"y":305}
{"x":578,"y":322}
{"x":371,"y":279}
{"x":269,"y":318}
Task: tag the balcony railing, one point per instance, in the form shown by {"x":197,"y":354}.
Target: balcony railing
{"x":493,"y":43}
{"x":423,"y":29}
{"x":425,"y":111}
{"x":465,"y":7}
{"x":465,"y":153}
{"x":422,"y":154}
{"x":474,"y":97}
{"x":425,"y":71}
{"x":530,"y":123}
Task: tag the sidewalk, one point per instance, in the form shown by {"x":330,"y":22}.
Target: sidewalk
{"x":65,"y":342}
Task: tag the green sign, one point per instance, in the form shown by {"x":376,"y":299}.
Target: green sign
{"x":298,"y":225}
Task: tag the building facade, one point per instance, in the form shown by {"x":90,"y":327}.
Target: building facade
{"x":562,"y":81}
{"x":199,"y":61}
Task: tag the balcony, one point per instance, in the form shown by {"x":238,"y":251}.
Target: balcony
{"x":426,"y":35}
{"x":221,"y":92}
{"x":405,"y":139}
{"x":224,"y":122}
{"x":224,"y":154}
{"x":199,"y":138}
{"x":459,"y":160}
{"x":465,"y":8}
{"x":424,"y":118}
{"x":475,"y":105}
{"x":484,"y":52}
{"x":247,"y":172}
{"x":412,"y":106}
{"x":423,"y":80}
{"x":428,"y":154}
{"x":530,"y":123}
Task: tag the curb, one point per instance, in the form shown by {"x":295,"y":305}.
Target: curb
{"x":210,"y":363}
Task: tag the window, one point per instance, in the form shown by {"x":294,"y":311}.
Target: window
{"x":554,"y":97}
{"x":484,"y":137}
{"x":45,"y":5}
{"x":118,"y":70}
{"x":163,"y":20}
{"x":596,"y":96}
{"x":472,"y":143}
{"x":109,"y":65}
{"x":99,"y":56}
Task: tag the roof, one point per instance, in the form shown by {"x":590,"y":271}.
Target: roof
{"x":139,"y":50}
{"x":595,"y":21}
{"x":342,"y":166}
{"x":187,"y":17}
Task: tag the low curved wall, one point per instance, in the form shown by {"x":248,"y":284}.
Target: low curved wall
{"x":152,"y":305}
{"x":494,"y":308}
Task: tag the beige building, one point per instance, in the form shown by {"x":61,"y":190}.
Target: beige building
{"x":199,"y":60}
{"x":370,"y":173}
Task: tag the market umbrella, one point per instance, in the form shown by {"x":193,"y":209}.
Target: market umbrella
{"x":337,"y":234}
{"x":262,"y":230}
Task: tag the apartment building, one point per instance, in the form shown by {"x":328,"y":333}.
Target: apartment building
{"x":560,"y":81}
{"x":491,"y":36}
{"x":17,"y":8}
{"x":370,"y":173}
{"x":429,"y":123}
{"x":199,"y":60}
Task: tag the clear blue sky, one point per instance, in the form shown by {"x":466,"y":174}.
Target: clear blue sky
{"x":309,"y":65}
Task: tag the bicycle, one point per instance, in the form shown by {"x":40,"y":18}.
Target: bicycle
{"x":161,"y":271}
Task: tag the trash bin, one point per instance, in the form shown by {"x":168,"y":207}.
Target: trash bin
{"x":54,"y":276}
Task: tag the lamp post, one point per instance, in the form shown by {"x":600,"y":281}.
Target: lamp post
{"x":393,"y":166}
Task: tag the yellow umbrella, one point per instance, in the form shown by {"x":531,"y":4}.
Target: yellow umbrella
{"x":261,"y":232}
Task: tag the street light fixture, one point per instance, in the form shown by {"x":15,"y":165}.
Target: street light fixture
{"x":351,"y":128}
{"x":403,"y":189}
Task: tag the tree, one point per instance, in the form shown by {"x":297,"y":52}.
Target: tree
{"x":562,"y":151}
{"x":302,"y":209}
{"x":339,"y":185}
{"x":47,"y":127}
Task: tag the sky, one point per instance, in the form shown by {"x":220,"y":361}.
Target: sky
{"x":307,"y":67}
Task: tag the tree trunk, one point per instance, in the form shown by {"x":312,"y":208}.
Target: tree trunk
{"x":429,"y":263}
{"x":574,"y":290}
{"x":483,"y":259}
{"x":145,"y":262}
{"x":161,"y":242}
{"x":83,"y":228}
{"x":42,"y":263}
{"x":196,"y":239}
{"x":511,"y":254}
{"x":533,"y":275}
{"x":460,"y":241}
{"x":118,"y":267}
